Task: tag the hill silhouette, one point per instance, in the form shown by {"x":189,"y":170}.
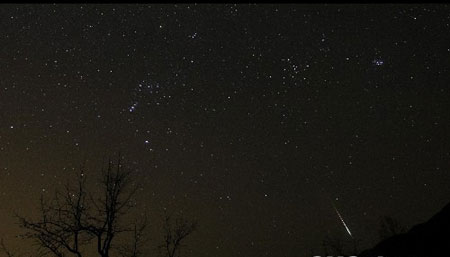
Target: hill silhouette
{"x":428,"y":239}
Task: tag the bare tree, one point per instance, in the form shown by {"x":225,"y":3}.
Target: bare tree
{"x":75,"y":218}
{"x":338,"y":247}
{"x":5,"y":250}
{"x":333,"y":245}
{"x":60,"y":225}
{"x":134,"y":249}
{"x":174,"y":234}
{"x":389,"y":227}
{"x":118,"y":191}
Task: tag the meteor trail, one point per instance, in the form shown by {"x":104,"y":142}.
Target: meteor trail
{"x":315,"y":179}
{"x":342,"y":220}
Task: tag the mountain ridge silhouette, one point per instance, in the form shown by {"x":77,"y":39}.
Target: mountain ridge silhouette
{"x":427,"y":239}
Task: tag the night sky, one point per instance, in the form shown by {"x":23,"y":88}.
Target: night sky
{"x":254,"y":119}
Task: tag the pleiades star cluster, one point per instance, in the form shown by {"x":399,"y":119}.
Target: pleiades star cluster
{"x":275,"y":126}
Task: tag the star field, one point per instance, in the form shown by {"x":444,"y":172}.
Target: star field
{"x":255,"y":119}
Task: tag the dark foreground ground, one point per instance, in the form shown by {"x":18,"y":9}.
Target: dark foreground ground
{"x":428,"y":239}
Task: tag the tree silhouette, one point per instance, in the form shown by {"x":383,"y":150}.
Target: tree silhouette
{"x":337,"y":246}
{"x":174,"y":235}
{"x":134,"y":249}
{"x":389,"y":227}
{"x":5,"y":250}
{"x":63,"y":223}
{"x":76,"y":218}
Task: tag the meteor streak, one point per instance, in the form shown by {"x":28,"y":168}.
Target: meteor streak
{"x":342,"y":220}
